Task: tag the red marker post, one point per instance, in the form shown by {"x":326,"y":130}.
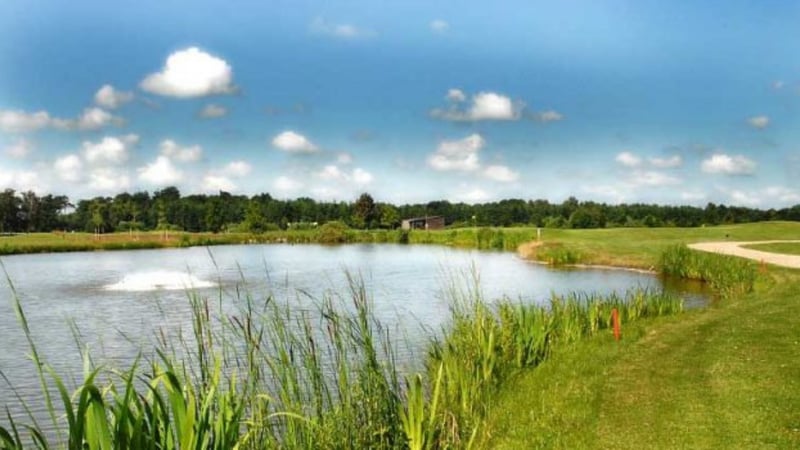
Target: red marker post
{"x":616,"y":324}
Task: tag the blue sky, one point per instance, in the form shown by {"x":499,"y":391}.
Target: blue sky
{"x":614,"y":101}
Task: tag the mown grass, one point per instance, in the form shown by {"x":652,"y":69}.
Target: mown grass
{"x":786,"y":248}
{"x":723,"y":377}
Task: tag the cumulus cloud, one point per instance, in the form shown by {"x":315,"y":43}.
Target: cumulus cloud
{"x":548,"y":116}
{"x":693,"y":196}
{"x":191,"y":73}
{"x":286,"y":184}
{"x":214,"y":183}
{"x":628,"y":159}
{"x":460,"y":155}
{"x":652,"y":178}
{"x":22,"y":180}
{"x":94,"y":119}
{"x":483,"y":106}
{"x":291,"y":142}
{"x":238,"y":169}
{"x":19,"y":149}
{"x":357,"y":177}
{"x":110,"y":98}
{"x":667,"y":163}
{"x":212,"y":111}
{"x":759,"y":122}
{"x":161,"y":172}
{"x":439,"y":26}
{"x":171,"y":149}
{"x":69,"y":168}
{"x":474,"y":195}
{"x":110,"y":150}
{"x":22,"y":122}
{"x":455,"y":95}
{"x":344,"y":158}
{"x":721,"y":163}
{"x":500,"y":173}
{"x":108,"y":179}
{"x":339,"y":30}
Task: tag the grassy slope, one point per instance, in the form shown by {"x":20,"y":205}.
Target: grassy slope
{"x":728,"y":376}
{"x":785,"y":248}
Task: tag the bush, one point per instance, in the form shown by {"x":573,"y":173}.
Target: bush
{"x":334,"y":232}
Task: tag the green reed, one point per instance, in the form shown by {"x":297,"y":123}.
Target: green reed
{"x":727,"y":275}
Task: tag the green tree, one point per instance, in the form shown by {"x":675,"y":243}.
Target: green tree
{"x":365,"y":213}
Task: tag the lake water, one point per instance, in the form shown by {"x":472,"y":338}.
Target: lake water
{"x":119,"y":300}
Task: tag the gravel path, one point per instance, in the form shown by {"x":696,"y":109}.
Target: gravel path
{"x":735,"y":249}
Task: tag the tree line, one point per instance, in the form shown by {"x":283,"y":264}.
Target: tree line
{"x":167,"y":209}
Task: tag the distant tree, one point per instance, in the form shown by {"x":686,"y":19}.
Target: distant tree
{"x":365,"y":212}
{"x":389,"y":217}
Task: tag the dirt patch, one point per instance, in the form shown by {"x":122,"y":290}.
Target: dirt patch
{"x":735,"y":249}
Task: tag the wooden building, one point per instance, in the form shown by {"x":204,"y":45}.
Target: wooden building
{"x":424,"y":223}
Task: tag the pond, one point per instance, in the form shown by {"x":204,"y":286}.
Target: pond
{"x":119,"y":300}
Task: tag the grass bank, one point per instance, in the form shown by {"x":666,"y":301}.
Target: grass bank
{"x":723,"y":377}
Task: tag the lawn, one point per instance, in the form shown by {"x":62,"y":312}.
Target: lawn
{"x":724,"y":377}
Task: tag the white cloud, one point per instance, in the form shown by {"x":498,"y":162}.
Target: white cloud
{"x":459,"y":155}
{"x":238,"y":169}
{"x":69,"y":168}
{"x":289,"y":141}
{"x":344,"y":158}
{"x":783,"y":194}
{"x":439,"y":26}
{"x":652,"y":178}
{"x":721,"y":163}
{"x":22,"y":122}
{"x":286,"y":185}
{"x":160,"y":172}
{"x":667,"y":163}
{"x":212,"y":111}
{"x":476,"y":195}
{"x":19,"y":149}
{"x":548,"y":116}
{"x":628,"y":159}
{"x":171,"y":149}
{"x":455,"y":95}
{"x":107,"y":179}
{"x":110,"y":150}
{"x":345,"y":31}
{"x":110,"y":98}
{"x":778,"y":85}
{"x":759,"y":122}
{"x":24,"y":180}
{"x":361,"y":177}
{"x":357,"y":177}
{"x":492,"y":106}
{"x":94,"y":119}
{"x":331,"y":173}
{"x":744,"y":198}
{"x":484,"y":106}
{"x":214,"y":183}
{"x":191,"y":73}
{"x":501,"y":173}
{"x":693,"y":196}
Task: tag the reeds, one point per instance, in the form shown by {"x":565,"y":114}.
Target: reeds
{"x":272,"y":375}
{"x":728,"y":275}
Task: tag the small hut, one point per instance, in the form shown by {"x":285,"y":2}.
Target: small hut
{"x":424,"y":223}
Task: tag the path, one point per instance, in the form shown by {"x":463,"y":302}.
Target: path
{"x":735,"y":249}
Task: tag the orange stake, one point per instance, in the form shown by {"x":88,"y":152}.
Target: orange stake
{"x":615,"y":321}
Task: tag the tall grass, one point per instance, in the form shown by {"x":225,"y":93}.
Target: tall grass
{"x":728,"y":275}
{"x":275,"y":376}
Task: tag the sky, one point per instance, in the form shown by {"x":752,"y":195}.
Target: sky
{"x":411,"y":101}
